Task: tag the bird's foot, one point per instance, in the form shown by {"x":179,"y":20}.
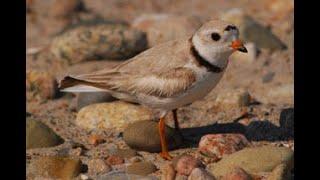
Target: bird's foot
{"x":165,"y":155}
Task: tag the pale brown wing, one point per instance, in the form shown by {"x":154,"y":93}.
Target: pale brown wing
{"x":166,"y":84}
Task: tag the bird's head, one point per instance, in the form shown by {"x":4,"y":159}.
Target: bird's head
{"x":216,"y":40}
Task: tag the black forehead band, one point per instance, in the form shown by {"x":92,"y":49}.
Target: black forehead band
{"x":229,"y":27}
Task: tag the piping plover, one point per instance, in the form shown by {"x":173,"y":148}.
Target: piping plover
{"x":167,"y":76}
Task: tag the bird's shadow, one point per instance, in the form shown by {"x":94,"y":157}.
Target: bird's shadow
{"x":255,"y":131}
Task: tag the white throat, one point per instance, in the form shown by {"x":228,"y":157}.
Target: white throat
{"x":213,"y":54}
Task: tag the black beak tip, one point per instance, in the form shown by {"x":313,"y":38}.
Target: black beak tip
{"x":243,"y":49}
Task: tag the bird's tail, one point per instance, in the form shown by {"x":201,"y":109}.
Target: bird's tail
{"x":74,"y":84}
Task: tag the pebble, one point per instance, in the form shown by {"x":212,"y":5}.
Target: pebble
{"x":42,"y":84}
{"x":252,"y":31}
{"x":141,"y":168}
{"x":287,"y":121}
{"x":233,"y":98}
{"x":113,"y":115}
{"x":181,"y":177}
{"x":144,"y":136}
{"x":184,"y":164}
{"x":218,"y":145}
{"x":55,"y":167}
{"x":95,"y":140}
{"x":268,"y":77}
{"x":114,"y":160}
{"x":254,"y":160}
{"x":161,"y":28}
{"x":39,"y":135}
{"x":237,"y":174}
{"x":100,"y":41}
{"x":168,"y":172}
{"x":123,"y":176}
{"x":98,"y":166}
{"x":124,"y":153}
{"x":200,"y":174}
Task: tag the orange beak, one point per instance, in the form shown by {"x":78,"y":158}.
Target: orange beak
{"x":238,"y":45}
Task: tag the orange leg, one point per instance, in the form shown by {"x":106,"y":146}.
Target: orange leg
{"x":164,"y":146}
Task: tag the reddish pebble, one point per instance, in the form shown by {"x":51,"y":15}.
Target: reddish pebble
{"x":186,"y":163}
{"x":237,"y":174}
{"x":114,"y":160}
{"x":218,"y":145}
{"x":95,"y":140}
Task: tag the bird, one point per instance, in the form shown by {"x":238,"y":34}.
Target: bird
{"x":167,"y":76}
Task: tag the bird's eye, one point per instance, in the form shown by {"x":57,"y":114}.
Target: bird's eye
{"x":215,"y":36}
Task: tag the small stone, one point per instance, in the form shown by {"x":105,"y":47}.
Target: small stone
{"x":135,"y":159}
{"x":268,"y":77}
{"x":98,"y":166}
{"x":118,"y":175}
{"x":287,"y":121}
{"x":95,"y":140}
{"x":254,"y":160}
{"x":97,"y":41}
{"x":55,"y":167}
{"x":161,"y":28}
{"x":141,"y":168}
{"x":114,"y":115}
{"x":114,"y":160}
{"x":279,"y":173}
{"x":237,"y":174}
{"x":144,"y":136}
{"x":168,"y":172}
{"x":39,"y":135}
{"x":85,"y":99}
{"x":236,"y":98}
{"x":124,"y":153}
{"x":84,"y":177}
{"x":41,"y":84}
{"x":75,"y":152}
{"x":252,"y":31}
{"x":218,"y":145}
{"x":181,"y":177}
{"x":200,"y":174}
{"x":185,"y":164}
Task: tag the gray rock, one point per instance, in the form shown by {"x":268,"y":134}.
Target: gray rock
{"x":141,"y":168}
{"x":144,"y":136}
{"x":85,"y":99}
{"x":287,"y":121}
{"x":254,"y":160}
{"x":115,"y":115}
{"x":38,"y":135}
{"x":55,"y":167}
{"x":252,"y":31}
{"x":101,"y":41}
{"x":184,"y":164}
